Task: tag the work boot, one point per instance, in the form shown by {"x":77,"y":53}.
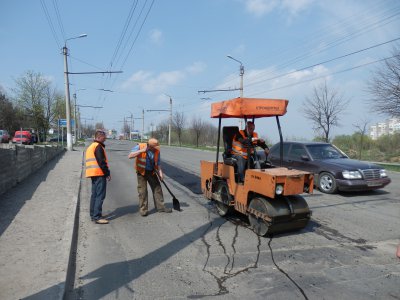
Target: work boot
{"x":101,"y":221}
{"x":165,"y":210}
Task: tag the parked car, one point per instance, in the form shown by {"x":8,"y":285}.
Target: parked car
{"x":333,"y":169}
{"x":22,"y":137}
{"x":4,"y":136}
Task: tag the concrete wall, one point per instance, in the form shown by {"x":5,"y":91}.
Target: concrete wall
{"x":18,"y":162}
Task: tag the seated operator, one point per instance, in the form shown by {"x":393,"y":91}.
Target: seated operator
{"x":241,"y":142}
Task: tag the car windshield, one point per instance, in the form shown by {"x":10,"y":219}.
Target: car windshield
{"x":22,"y":136}
{"x":324,"y":152}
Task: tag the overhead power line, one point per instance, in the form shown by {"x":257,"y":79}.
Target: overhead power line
{"x":124,"y":30}
{"x":324,"y":62}
{"x":326,"y":75}
{"x":48,"y":18}
{"x":60,"y":24}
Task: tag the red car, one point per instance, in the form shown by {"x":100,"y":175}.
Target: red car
{"x":22,"y":137}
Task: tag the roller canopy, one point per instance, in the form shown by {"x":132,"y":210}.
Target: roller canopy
{"x":249,"y":108}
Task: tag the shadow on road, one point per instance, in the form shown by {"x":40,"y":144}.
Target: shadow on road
{"x":111,"y":277}
{"x":189,"y":180}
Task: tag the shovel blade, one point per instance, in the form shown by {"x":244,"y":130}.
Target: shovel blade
{"x":175,"y":204}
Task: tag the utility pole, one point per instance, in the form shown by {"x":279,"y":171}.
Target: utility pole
{"x":241,"y":73}
{"x":235,"y":89}
{"x":141,"y":137}
{"x":67,"y":100}
{"x":76,"y":137}
{"x":170,"y":117}
{"x":170,"y":121}
{"x":130,"y":133}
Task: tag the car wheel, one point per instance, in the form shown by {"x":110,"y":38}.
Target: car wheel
{"x":327,"y":183}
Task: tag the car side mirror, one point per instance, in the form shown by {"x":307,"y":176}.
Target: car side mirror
{"x":305,"y":157}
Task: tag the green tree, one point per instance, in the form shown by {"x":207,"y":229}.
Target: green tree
{"x":30,"y":95}
{"x":8,"y":114}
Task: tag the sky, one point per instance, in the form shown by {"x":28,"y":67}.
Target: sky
{"x":178,"y":48}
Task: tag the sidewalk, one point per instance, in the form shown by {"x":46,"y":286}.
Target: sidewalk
{"x":36,"y":226}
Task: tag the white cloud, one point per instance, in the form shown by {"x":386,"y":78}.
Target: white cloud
{"x":262,"y":82}
{"x":156,"y":36}
{"x":158,"y":83}
{"x":295,"y":6}
{"x":262,"y":7}
{"x":196,"y":67}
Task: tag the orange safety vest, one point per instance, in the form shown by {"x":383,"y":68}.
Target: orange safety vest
{"x":141,"y":159}
{"x":92,"y":167}
{"x":238,"y":148}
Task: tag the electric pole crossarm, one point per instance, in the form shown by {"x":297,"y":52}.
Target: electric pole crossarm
{"x":100,"y":72}
{"x":221,"y":90}
{"x":78,"y":105}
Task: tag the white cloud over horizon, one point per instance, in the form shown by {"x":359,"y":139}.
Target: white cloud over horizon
{"x":152,"y":83}
{"x":260,"y":8}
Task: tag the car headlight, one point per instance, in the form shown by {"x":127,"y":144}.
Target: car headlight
{"x":382,"y":172}
{"x":351,"y":175}
{"x":279,"y":189}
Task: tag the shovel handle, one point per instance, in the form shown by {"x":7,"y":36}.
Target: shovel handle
{"x":158,"y":175}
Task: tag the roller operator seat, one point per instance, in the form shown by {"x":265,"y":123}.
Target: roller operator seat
{"x":228,"y":133}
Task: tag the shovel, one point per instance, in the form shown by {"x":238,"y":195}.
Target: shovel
{"x":175,"y":202}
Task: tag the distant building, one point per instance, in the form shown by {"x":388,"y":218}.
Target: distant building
{"x":390,"y":126}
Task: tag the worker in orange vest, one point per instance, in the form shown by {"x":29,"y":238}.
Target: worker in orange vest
{"x":97,"y":169}
{"x":148,"y":170}
{"x":242,"y":141}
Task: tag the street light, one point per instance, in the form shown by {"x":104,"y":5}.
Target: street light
{"x":241,"y":74}
{"x":241,"y":81}
{"x":170,"y":117}
{"x":67,"y":96}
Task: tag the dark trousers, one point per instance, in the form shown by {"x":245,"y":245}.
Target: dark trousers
{"x":241,"y":163}
{"x":99,"y":186}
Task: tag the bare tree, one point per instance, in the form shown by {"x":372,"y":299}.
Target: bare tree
{"x":385,"y":86}
{"x":162,"y":131}
{"x":99,"y":125}
{"x":210,"y":134}
{"x":324,"y":109}
{"x":362,"y":129}
{"x":179,"y":122}
{"x":197,"y":127}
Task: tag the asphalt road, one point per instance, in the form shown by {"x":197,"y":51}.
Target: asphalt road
{"x":346,"y":252}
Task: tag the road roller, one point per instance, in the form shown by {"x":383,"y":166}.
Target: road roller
{"x":270,"y":196}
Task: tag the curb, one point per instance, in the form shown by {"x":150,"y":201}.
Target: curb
{"x":71,"y":269}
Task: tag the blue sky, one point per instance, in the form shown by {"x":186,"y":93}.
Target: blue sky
{"x":181,"y":48}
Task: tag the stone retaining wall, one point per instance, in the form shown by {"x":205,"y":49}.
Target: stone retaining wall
{"x":18,"y":162}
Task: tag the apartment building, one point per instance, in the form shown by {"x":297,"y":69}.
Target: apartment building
{"x":389,"y":126}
